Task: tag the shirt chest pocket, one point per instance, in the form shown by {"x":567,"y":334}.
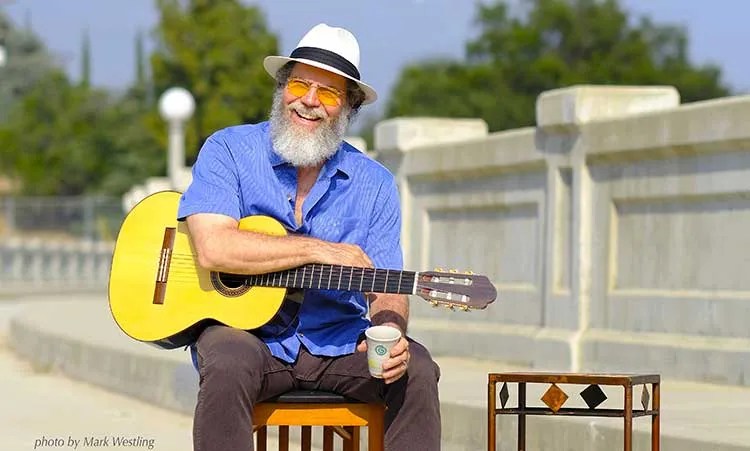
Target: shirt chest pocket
{"x":345,"y":229}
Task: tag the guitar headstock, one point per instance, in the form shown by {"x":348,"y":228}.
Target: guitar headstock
{"x":455,"y":290}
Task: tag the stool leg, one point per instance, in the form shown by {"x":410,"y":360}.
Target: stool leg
{"x":628,"y":426}
{"x":376,"y":429}
{"x":655,"y":403}
{"x":306,"y":438}
{"x":283,"y":438}
{"x":491,"y":418}
{"x":327,"y":438}
{"x":261,"y":439}
{"x":353,"y":443}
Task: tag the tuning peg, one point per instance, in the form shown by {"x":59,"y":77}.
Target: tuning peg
{"x":469,"y":272}
{"x":435,"y":304}
{"x":452,"y":307}
{"x":466,"y":308}
{"x":439,"y":269}
{"x":455,"y":271}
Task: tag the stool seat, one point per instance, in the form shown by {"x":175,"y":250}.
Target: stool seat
{"x":337,"y":414}
{"x":311,"y":396}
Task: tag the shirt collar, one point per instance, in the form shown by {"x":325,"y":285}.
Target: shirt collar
{"x":339,"y":161}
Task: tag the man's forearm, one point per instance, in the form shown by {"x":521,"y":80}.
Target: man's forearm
{"x":390,"y":309}
{"x":244,"y":252}
{"x":220,"y":246}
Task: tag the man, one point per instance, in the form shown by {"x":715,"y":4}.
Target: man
{"x":341,"y":208}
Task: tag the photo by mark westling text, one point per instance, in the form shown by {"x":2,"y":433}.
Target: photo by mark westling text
{"x":95,"y":441}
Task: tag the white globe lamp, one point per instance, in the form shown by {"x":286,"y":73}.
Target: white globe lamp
{"x":176,"y":106}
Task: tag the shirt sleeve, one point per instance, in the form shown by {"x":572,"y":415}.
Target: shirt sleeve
{"x":384,"y":239}
{"x":215,"y":185}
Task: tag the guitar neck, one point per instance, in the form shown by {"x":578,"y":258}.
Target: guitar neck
{"x":336,"y":277}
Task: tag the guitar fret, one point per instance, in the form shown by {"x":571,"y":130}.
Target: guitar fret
{"x":295,"y":277}
{"x":351,"y":274}
{"x":286,"y":284}
{"x":330,"y":273}
{"x":374,"y":275}
{"x":385,"y":288}
{"x":341,"y":276}
{"x":400,"y":274}
{"x":304,"y":271}
{"x":273,"y":280}
{"x":320,"y":277}
{"x":361,"y":280}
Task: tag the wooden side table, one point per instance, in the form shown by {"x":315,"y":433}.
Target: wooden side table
{"x":554,"y":398}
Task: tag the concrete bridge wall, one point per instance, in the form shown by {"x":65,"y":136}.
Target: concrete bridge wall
{"x":616,"y":231}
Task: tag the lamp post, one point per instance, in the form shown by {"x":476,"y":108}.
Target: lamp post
{"x":176,"y":106}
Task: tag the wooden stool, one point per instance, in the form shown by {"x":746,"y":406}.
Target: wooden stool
{"x":334,"y":412}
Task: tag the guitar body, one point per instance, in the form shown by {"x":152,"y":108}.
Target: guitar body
{"x":159,"y":294}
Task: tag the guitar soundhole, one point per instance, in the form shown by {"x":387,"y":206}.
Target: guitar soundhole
{"x":231,"y":280}
{"x":229,"y":285}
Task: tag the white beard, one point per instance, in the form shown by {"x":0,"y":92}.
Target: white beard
{"x":299,"y":146}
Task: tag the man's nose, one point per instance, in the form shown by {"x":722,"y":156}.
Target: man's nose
{"x":311,"y":97}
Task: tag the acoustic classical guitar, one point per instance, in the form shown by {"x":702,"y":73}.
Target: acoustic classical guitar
{"x":160,"y":295}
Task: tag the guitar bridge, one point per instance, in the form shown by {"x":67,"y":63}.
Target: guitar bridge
{"x":165,"y":259}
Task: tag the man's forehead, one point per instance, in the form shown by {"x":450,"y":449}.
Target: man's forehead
{"x":316,"y":74}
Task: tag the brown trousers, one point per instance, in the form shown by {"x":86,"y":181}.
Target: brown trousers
{"x":237,"y":370}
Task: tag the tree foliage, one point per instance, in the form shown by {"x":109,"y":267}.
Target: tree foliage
{"x":27,"y":62}
{"x":552,"y":43}
{"x":214,"y":49}
{"x":62,"y":137}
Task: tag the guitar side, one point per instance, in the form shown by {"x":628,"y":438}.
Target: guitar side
{"x":157,"y":291}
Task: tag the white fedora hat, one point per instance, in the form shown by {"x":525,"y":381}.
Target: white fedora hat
{"x":333,"y":49}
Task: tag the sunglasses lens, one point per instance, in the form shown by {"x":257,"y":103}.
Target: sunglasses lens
{"x":297,"y":88}
{"x":328,"y":97}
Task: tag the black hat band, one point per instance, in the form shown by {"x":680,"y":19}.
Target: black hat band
{"x":327,"y":57}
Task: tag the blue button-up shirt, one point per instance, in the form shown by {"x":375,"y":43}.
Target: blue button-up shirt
{"x":354,"y":200}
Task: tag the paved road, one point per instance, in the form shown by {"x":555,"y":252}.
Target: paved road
{"x":45,"y":411}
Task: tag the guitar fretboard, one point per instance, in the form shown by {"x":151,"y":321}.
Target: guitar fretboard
{"x":336,"y":277}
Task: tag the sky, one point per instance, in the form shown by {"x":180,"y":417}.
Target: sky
{"x":391,"y":33}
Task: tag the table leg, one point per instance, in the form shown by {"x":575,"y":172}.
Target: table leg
{"x":655,"y":418}
{"x":491,"y":417}
{"x":521,"y":416}
{"x":628,"y":410}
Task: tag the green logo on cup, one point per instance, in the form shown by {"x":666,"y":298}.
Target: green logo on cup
{"x":380,"y":350}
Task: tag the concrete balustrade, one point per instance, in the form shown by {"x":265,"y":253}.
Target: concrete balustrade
{"x":45,"y":265}
{"x":615,"y":231}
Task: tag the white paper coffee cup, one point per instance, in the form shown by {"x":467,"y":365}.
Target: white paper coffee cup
{"x":380,"y":340}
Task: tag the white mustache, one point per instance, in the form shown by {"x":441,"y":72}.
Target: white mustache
{"x":301,"y":109}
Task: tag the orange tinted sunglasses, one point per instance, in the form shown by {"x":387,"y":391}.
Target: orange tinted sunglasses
{"x":327,"y":95}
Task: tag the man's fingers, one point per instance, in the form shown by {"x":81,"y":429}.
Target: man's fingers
{"x":399,"y":348}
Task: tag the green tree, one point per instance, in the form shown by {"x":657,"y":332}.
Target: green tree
{"x":86,"y":60}
{"x":554,"y":43}
{"x":52,"y":142}
{"x":214,"y":49}
{"x":27,"y":62}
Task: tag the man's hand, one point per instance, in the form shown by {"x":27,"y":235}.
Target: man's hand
{"x":397,"y":363}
